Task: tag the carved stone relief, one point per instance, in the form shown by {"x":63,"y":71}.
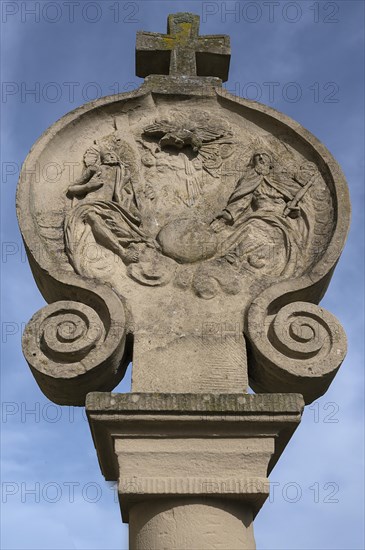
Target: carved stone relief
{"x":192,"y":202}
{"x":202,"y":206}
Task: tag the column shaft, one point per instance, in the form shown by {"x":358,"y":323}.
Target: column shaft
{"x":193,"y":523}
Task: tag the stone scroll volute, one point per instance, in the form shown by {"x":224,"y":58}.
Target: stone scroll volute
{"x":152,"y":215}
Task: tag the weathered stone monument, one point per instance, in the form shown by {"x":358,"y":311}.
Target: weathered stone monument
{"x":194,"y":234}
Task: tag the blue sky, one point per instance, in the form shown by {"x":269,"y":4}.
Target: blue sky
{"x":309,"y":55}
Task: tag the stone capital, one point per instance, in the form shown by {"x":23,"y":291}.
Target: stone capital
{"x":219,"y":447}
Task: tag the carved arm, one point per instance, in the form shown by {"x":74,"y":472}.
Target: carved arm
{"x":82,"y":185}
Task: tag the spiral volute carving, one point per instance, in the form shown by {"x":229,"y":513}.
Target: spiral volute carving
{"x":69,"y":333}
{"x":73,"y":349}
{"x":303,"y":333}
{"x":300,"y":350}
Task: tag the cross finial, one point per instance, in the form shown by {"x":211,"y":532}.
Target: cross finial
{"x":182,"y":51}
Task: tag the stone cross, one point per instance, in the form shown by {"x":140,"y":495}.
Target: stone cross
{"x":182,"y":51}
{"x":192,"y":229}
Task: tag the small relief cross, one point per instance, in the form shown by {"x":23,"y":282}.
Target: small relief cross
{"x":182,"y":51}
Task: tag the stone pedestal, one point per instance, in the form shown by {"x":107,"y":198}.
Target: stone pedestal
{"x":192,"y":468}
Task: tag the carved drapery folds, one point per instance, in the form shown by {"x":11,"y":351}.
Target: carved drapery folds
{"x":205,"y":204}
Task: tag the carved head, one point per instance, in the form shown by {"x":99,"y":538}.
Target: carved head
{"x":262,"y":162}
{"x":108,"y":156}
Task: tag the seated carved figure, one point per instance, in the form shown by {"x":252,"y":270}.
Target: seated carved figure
{"x":265,"y":226}
{"x":108,"y":207}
